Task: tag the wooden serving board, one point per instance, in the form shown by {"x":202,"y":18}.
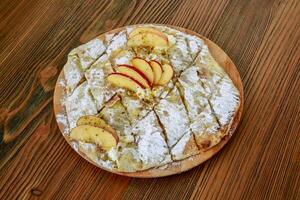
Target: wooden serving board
{"x":179,"y":166}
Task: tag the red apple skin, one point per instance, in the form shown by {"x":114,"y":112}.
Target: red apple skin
{"x":159,"y":64}
{"x":150,"y":83}
{"x":129,"y":78}
{"x":138,"y":71}
{"x":156,"y":62}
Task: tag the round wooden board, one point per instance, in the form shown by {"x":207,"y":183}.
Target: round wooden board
{"x":188,"y":163}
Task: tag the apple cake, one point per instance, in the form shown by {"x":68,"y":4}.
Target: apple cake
{"x":145,"y":97}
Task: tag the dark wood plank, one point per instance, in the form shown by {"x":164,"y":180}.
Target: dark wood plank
{"x":261,"y":162}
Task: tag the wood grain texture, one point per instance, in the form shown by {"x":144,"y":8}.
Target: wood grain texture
{"x":261,"y":161}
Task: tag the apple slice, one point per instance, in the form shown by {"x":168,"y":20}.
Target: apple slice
{"x":93,"y":120}
{"x":141,"y":30}
{"x":157,"y":70}
{"x":147,"y":39}
{"x":96,"y":135}
{"x":134,"y":73}
{"x":144,"y":67}
{"x":166,"y":75}
{"x":122,"y":80}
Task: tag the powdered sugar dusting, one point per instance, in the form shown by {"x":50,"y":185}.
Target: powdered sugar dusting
{"x":178,"y":149}
{"x":94,"y":48}
{"x":224,"y":96}
{"x":204,"y":51}
{"x":171,"y":109}
{"x":201,"y":116}
{"x":89,"y":52}
{"x":225,"y":101}
{"x":152,"y":148}
{"x":106,"y":163}
{"x":62,"y":119}
{"x":195,"y":44}
{"x":205,"y":123}
{"x":117,"y":117}
{"x":194,"y":94}
{"x":123,"y":57}
{"x":118,"y":42}
{"x":99,"y":87}
{"x":80,"y":103}
{"x":73,"y":73}
{"x":147,"y":125}
{"x":179,"y":54}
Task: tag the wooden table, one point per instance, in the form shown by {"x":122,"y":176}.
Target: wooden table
{"x":262,"y":160}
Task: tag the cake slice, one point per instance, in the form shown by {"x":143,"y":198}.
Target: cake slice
{"x":225,"y":101}
{"x":140,"y":104}
{"x":223,"y":95}
{"x":209,"y":71}
{"x":192,"y":91}
{"x":185,"y":147}
{"x":123,"y":56}
{"x":184,"y":49}
{"x":152,"y":148}
{"x":101,"y":89}
{"x":204,"y":123}
{"x":118,"y":41}
{"x":179,"y":54}
{"x":118,"y":51}
{"x":125,"y":155}
{"x":80,"y":103}
{"x":89,"y":52}
{"x":73,"y":73}
{"x":79,"y":60}
{"x":195,"y":45}
{"x":115,"y":115}
{"x":136,"y":108}
{"x":174,"y":119}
